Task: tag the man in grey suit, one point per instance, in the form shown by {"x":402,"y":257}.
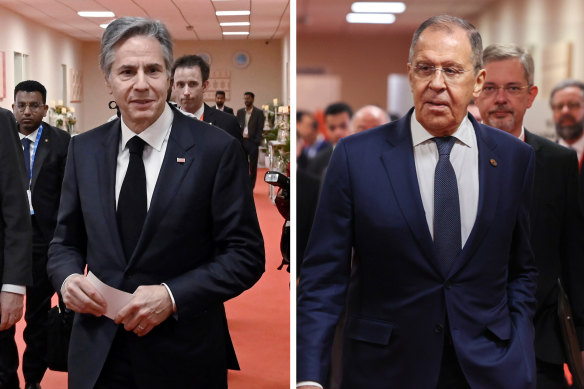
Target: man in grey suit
{"x":251,"y":119}
{"x":15,"y":246}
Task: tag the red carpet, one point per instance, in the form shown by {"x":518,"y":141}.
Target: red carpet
{"x":259,"y":319}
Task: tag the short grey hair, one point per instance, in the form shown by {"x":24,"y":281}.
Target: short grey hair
{"x":124,"y":28}
{"x":445,"y":22}
{"x":501,"y":52}
{"x":566,"y":84}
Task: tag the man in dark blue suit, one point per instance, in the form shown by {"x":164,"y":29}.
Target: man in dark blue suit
{"x":155,"y":204}
{"x":422,"y":230}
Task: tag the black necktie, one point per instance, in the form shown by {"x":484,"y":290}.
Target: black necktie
{"x":132,"y":205}
{"x":447,"y":240}
{"x":26,"y":150}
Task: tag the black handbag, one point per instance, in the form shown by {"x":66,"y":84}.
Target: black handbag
{"x":60,"y":322}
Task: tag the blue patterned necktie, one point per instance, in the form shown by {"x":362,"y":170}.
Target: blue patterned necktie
{"x":26,"y":150}
{"x":447,"y":240}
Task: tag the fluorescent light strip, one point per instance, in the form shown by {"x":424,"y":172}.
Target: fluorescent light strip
{"x":235,"y":33}
{"x":232,"y":13}
{"x":228,"y":24}
{"x":96,"y":14}
{"x":381,"y":7}
{"x":371,"y":18}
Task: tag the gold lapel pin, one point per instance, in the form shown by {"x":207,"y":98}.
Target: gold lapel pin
{"x":493,"y":162}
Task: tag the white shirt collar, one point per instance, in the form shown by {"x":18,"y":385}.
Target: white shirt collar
{"x":153,"y":135}
{"x":32,"y":136}
{"x":200,"y":111}
{"x":421,"y":135}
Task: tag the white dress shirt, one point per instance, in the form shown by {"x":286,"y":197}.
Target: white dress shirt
{"x":464,"y":158}
{"x":465,"y":161}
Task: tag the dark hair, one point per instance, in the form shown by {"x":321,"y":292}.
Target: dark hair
{"x":445,"y":22}
{"x":565,"y":84}
{"x":191,"y":61}
{"x":220,"y":92}
{"x":31,"y":86}
{"x":301,"y":114}
{"x":250,"y":94}
{"x":337,"y":108}
{"x":125,"y":28}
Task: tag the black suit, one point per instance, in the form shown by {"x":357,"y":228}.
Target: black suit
{"x":557,"y":228}
{"x":47,"y":177}
{"x":226,"y":109}
{"x":255,"y":130}
{"x":15,"y":236}
{"x":201,"y":237}
{"x":224,"y":121}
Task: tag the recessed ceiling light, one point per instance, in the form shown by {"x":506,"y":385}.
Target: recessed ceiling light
{"x":96,"y":14}
{"x":371,"y":18}
{"x":385,"y":7}
{"x":235,"y":33}
{"x":227,"y":24}
{"x":232,"y":13}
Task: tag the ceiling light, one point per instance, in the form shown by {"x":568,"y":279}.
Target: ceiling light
{"x":96,"y":14}
{"x":228,"y":24}
{"x":235,"y":33}
{"x":371,"y":18}
{"x":232,"y":13}
{"x":385,"y":7}
{"x":104,"y":25}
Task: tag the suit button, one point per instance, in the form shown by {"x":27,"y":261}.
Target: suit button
{"x":438,"y":328}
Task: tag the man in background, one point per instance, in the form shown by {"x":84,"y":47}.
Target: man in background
{"x":313,"y":142}
{"x":557,"y":224}
{"x":422,"y":235}
{"x":369,"y":116}
{"x":190,"y":75}
{"x":220,"y":102}
{"x":45,"y":154}
{"x":251,"y":119}
{"x":16,"y":246}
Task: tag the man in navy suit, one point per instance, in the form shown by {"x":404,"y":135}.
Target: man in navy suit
{"x":422,"y":229}
{"x":155,"y":204}
{"x":557,"y":225}
{"x":46,"y":151}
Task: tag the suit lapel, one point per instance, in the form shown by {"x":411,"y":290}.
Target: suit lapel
{"x":490,"y":168}
{"x":106,"y":162}
{"x":401,"y":170}
{"x":42,"y":152}
{"x":181,"y":144}
{"x":538,"y":186}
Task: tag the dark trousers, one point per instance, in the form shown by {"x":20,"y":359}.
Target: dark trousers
{"x":38,"y":303}
{"x":550,"y":375}
{"x":451,"y":375}
{"x":8,"y":360}
{"x":252,"y":156}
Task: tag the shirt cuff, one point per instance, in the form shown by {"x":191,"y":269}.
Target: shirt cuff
{"x":309,"y":383}
{"x":18,"y":289}
{"x":171,"y":297}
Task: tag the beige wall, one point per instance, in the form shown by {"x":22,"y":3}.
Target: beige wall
{"x":47,"y":50}
{"x":263,"y":75}
{"x":363,"y":63}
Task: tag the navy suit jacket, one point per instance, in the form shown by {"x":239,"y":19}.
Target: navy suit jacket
{"x":201,"y":237}
{"x":398,"y":303}
{"x":224,"y":121}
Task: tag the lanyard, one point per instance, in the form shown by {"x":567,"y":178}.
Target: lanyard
{"x":36,"y":144}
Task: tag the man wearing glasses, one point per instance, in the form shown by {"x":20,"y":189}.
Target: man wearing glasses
{"x":556,"y":219}
{"x":45,"y":154}
{"x":423,"y":229}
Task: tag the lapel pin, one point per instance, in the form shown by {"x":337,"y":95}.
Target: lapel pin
{"x":493,"y":162}
{"x":46,"y":140}
{"x":180,"y":160}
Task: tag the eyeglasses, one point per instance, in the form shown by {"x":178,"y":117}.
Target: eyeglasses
{"x":34,"y":106}
{"x":572,"y":106}
{"x":425,"y":72}
{"x":509,"y":90}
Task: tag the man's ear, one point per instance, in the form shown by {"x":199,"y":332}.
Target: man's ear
{"x":107,"y":85}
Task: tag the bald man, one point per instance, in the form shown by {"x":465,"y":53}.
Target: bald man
{"x":369,"y":116}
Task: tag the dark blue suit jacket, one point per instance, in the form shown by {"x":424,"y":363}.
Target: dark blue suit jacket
{"x":398,"y":303}
{"x":201,"y":237}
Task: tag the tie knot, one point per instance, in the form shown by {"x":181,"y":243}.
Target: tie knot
{"x":445,"y":144}
{"x":136,"y":145}
{"x":26,"y":142}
